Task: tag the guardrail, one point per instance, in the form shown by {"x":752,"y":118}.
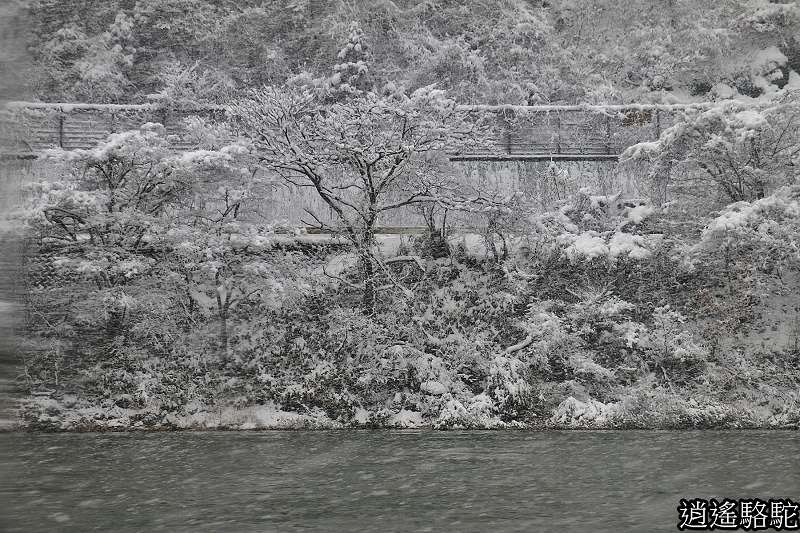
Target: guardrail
{"x":567,"y":133}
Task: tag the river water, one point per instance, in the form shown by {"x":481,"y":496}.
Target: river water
{"x":383,"y":481}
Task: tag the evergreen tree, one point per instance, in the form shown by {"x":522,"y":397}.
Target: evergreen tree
{"x":351,"y":75}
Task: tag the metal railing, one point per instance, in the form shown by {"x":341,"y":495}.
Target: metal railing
{"x":567,"y":133}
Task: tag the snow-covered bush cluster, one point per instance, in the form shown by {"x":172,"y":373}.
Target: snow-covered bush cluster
{"x":171,"y":321}
{"x":159,"y":297}
{"x":732,"y":151}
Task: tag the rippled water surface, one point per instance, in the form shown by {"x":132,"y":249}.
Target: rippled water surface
{"x":383,"y":480}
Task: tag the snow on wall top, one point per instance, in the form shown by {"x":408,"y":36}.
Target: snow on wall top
{"x":588,"y":131}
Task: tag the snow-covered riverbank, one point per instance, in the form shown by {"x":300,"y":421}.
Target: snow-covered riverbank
{"x":46,"y":414}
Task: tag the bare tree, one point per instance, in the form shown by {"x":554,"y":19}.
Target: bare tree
{"x":364,"y":157}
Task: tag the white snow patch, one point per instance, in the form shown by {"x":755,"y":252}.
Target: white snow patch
{"x":590,"y":244}
{"x":266,"y":416}
{"x":627,"y":244}
{"x":750,"y":119}
{"x":587,"y":245}
{"x":474,"y":244}
{"x":361,"y":415}
{"x":338,"y":264}
{"x":794,"y":81}
{"x":639,"y":213}
{"x":453,"y":415}
{"x":769,"y":58}
{"x":641,"y":150}
{"x":406,"y":419}
{"x":433,"y":387}
{"x":723,"y":91}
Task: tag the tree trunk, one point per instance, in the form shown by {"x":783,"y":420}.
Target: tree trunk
{"x":222,"y":309}
{"x":369,"y":287}
{"x":760,"y":189}
{"x":367,"y":271}
{"x":224,"y":343}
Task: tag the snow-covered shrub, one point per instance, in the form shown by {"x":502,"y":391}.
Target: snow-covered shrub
{"x":578,"y":414}
{"x":589,"y":245}
{"x":646,"y":405}
{"x":508,"y":388}
{"x":325,"y":386}
{"x":747,"y":250}
{"x":453,"y":415}
{"x":191,"y":87}
{"x":584,"y":231}
{"x":431,"y":375}
{"x":461,"y":317}
{"x":650,"y":406}
{"x":745,"y":153}
{"x":670,"y":350}
{"x":605,"y":324}
{"x":581,"y":343}
{"x":596,"y":378}
{"x":477,"y":413}
{"x":406,"y":378}
{"x":764,"y":233}
{"x":86,"y":67}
